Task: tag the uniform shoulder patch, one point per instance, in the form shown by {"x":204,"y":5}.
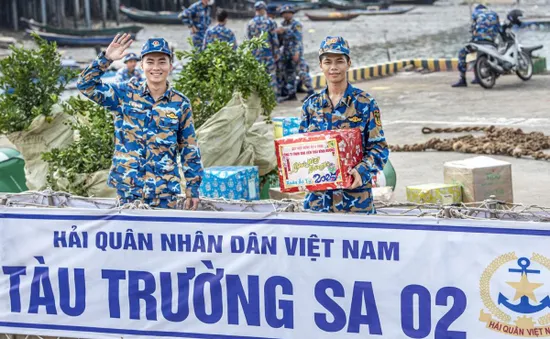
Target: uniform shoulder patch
{"x":377,"y":120}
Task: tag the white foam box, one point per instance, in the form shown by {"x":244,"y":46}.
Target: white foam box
{"x":481,"y":177}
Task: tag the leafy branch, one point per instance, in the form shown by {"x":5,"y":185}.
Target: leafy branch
{"x":210,"y":77}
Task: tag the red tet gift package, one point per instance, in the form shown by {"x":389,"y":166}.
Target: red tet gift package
{"x":318,"y":161}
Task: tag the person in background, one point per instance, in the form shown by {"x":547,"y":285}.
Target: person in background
{"x":130,"y":70}
{"x":340,"y":106}
{"x":153,"y":127}
{"x":485,"y":27}
{"x":220,"y":32}
{"x":305,"y":77}
{"x":268,"y":55}
{"x":272,"y":13}
{"x":292,"y":49}
{"x":197,"y":18}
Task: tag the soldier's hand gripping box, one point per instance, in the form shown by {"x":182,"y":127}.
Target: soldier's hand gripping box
{"x":231,"y":182}
{"x":318,"y":161}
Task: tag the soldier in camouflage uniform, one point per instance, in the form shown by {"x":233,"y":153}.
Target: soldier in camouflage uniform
{"x":197,"y":18}
{"x":129,"y":71}
{"x":268,"y":55}
{"x":485,"y":27}
{"x":220,"y":32}
{"x":293,"y":49}
{"x":272,"y":12}
{"x":305,"y":77}
{"x":339,"y":106}
{"x":153,"y":127}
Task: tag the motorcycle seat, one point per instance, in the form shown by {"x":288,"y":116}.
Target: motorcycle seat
{"x":484,"y":42}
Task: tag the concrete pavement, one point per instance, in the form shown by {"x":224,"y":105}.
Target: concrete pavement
{"x":410,"y":101}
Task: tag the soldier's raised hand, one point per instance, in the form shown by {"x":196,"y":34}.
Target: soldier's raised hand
{"x":117,"y":48}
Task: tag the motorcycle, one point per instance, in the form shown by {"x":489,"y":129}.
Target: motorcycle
{"x":494,"y":60}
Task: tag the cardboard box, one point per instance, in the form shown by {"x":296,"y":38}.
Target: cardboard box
{"x":231,"y":182}
{"x":285,"y":126}
{"x":481,"y":177}
{"x":434,"y":194}
{"x":318,"y":161}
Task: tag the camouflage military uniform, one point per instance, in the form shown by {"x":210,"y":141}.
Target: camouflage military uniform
{"x":292,"y":44}
{"x":303,"y":75}
{"x":149,"y":137}
{"x":356,"y":109}
{"x":272,"y":12}
{"x":198,"y":16}
{"x":485,"y":27}
{"x":220,"y":33}
{"x":123,"y":75}
{"x":267,"y":55}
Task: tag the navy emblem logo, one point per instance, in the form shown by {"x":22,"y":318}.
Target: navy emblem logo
{"x":516,"y":300}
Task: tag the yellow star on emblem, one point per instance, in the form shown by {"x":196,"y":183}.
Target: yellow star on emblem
{"x":525,"y":288}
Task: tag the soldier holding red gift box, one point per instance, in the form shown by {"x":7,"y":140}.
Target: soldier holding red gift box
{"x":339,"y":106}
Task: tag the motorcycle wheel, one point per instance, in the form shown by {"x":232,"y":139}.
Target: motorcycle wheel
{"x":484,"y":73}
{"x":525,"y":67}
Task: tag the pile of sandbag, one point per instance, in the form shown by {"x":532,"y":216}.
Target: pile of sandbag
{"x":43,"y":135}
{"x":232,"y":137}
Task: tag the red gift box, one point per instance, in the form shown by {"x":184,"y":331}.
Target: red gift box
{"x":318,"y":161}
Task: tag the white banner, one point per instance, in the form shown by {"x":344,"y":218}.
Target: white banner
{"x":100,"y":274}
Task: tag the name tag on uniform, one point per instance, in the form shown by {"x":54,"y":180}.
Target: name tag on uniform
{"x":136,"y":104}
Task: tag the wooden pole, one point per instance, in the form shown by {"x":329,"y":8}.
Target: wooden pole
{"x":29,"y":10}
{"x":58,"y":13}
{"x":76,"y":12}
{"x":61,"y":11}
{"x":14,"y":15}
{"x":104,"y":13}
{"x":116,"y":5}
{"x":43,"y":11}
{"x":87,"y":13}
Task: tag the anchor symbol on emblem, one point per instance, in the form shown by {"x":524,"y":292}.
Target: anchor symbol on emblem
{"x":524,"y":291}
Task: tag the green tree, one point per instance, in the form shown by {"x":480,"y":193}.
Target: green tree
{"x":210,"y":77}
{"x":32,"y":80}
{"x":92,"y":151}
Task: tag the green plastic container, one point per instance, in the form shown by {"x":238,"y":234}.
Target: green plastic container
{"x":539,"y":65}
{"x":390,"y":177}
{"x":12,"y":171}
{"x":272,"y":181}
